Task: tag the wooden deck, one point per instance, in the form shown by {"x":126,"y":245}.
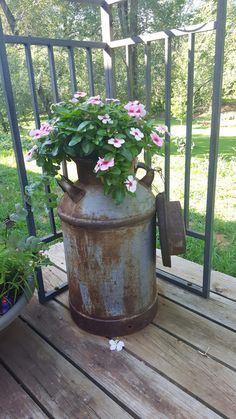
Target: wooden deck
{"x":183,"y":365}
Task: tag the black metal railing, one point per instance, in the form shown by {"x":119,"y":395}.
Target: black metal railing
{"x":108,"y":47}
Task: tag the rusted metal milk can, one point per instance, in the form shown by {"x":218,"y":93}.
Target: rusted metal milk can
{"x":110,"y":255}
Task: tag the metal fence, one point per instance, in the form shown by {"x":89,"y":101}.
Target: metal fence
{"x":108,"y":47}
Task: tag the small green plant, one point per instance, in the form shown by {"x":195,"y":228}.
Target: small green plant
{"x":19,"y":258}
{"x":108,"y":132}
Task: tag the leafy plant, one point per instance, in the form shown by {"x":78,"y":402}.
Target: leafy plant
{"x":19,"y":258}
{"x":108,"y":132}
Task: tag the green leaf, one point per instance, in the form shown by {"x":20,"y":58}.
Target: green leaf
{"x":87,"y":147}
{"x":20,"y":214}
{"x":118,"y":195}
{"x":127,"y":154}
{"x":75,"y":140}
{"x":115,"y":170}
{"x":83,"y":125}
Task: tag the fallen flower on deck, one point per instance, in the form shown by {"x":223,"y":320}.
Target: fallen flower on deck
{"x":116,"y":345}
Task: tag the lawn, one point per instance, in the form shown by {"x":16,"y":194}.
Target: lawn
{"x":224,"y":253}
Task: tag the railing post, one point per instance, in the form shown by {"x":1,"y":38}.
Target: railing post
{"x":106,"y":21}
{"x":214,"y":141}
{"x":167,"y":112}
{"x":15,"y":132}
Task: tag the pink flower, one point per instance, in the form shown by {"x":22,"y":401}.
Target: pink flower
{"x":117,"y":142}
{"x":44,"y":130}
{"x":105,"y":119}
{"x":156,"y":139}
{"x":80,"y":94}
{"x":29,"y":156}
{"x":138,"y":135}
{"x":131,"y":103}
{"x":135,"y":109}
{"x":162,"y":129}
{"x":95,"y":100}
{"x":103,"y":164}
{"x":131,"y":184}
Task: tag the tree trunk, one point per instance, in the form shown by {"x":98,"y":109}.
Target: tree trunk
{"x":128,"y":17}
{"x":9,"y":16}
{"x":44,"y":99}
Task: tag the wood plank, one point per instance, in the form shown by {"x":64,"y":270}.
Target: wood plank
{"x":15,"y":403}
{"x":144,"y":391}
{"x":216,"y":308}
{"x":210,"y":381}
{"x":221,"y":283}
{"x":53,"y":277}
{"x":63,"y":390}
{"x":198,"y":331}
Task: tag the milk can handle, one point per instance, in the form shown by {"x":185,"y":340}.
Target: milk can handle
{"x":75,"y":192}
{"x":148,"y":178}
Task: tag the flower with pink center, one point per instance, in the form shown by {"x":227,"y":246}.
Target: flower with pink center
{"x":80,"y":94}
{"x":105,"y":119}
{"x":29,"y":156}
{"x":162,"y":129}
{"x":135,"y":109}
{"x":44,"y":130}
{"x":117,"y":142}
{"x":156,"y":139}
{"x":131,"y":103}
{"x":95,"y":100}
{"x":131,"y":184}
{"x":103,"y":164}
{"x":138,"y":135}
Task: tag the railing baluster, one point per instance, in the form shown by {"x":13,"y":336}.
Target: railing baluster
{"x":128,"y":72}
{"x":191,"y":44}
{"x":90,"y":71}
{"x":30,"y":70}
{"x":55,"y":91}
{"x":53,"y":74}
{"x":147,"y":63}
{"x":167,"y":112}
{"x":72,"y":69}
{"x":214,"y":142}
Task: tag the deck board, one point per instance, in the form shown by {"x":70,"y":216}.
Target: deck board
{"x":198,"y":331}
{"x":182,"y":365}
{"x":15,"y":403}
{"x":61,"y":388}
{"x":143,"y":390}
{"x":188,"y":367}
{"x":216,"y":308}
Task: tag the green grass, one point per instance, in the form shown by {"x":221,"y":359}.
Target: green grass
{"x":224,"y":250}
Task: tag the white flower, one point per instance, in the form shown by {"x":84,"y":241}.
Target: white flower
{"x":73,"y":100}
{"x":117,"y":142}
{"x":116,"y":345}
{"x":105,"y":119}
{"x":138,"y":135}
{"x":131,"y":184}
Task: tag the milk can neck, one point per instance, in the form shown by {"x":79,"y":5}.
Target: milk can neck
{"x":85,"y":170}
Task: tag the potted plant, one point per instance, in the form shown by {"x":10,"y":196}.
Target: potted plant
{"x":110,"y":134}
{"x":19,"y":257}
{"x":108,"y":216}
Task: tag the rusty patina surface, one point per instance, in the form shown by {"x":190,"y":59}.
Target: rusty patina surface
{"x":110,"y":257}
